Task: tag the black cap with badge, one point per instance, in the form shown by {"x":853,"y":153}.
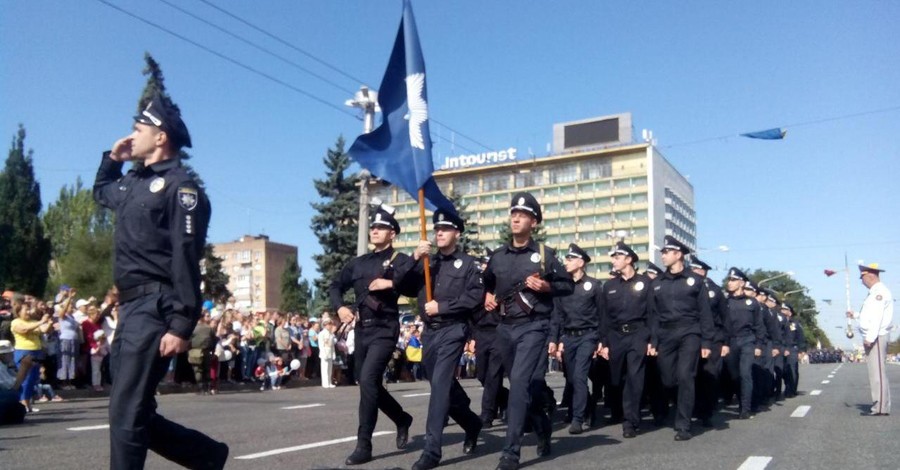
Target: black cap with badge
{"x":696,"y":263}
{"x":622,"y":249}
{"x":161,"y":113}
{"x":442,"y":218}
{"x":735,"y":273}
{"x":670,"y":243}
{"x":654,"y":269}
{"x":575,"y":251}
{"x":384,"y":217}
{"x":525,"y":202}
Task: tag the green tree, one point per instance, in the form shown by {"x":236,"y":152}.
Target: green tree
{"x":214,"y":278}
{"x":295,"y":291}
{"x":87,"y":264}
{"x":24,"y":250}
{"x":804,"y":306}
{"x":469,"y":241}
{"x":335,"y":223}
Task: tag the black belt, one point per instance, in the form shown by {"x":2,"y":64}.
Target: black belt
{"x":671,"y":325}
{"x":631,"y":326}
{"x":373,"y":322}
{"x":515,"y":320}
{"x":127,"y":295}
{"x":437,"y":325}
{"x":577,"y":331}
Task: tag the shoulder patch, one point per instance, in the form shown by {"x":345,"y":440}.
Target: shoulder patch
{"x":188,"y":198}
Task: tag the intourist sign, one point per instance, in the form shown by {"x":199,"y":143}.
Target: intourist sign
{"x":478,"y":159}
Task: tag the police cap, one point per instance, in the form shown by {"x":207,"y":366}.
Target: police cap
{"x":384,"y":218}
{"x":443,"y":218}
{"x":670,"y":243}
{"x":161,"y":113}
{"x":575,"y":251}
{"x":525,"y":202}
{"x":870,"y":268}
{"x":654,"y":269}
{"x":696,"y":263}
{"x":735,"y":273}
{"x":621,"y":248}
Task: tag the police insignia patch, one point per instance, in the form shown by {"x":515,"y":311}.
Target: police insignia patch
{"x":712,"y":294}
{"x":588,"y":285}
{"x":187,"y":198}
{"x":157,"y":184}
{"x":793,"y":327}
{"x":749,"y":302}
{"x":386,"y":263}
{"x":457,"y":264}
{"x":535,"y":258}
{"x":691,"y":281}
{"x":639,"y":286}
{"x":521,"y":201}
{"x":879,"y":297}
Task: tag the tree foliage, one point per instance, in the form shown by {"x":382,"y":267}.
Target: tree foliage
{"x":24,"y":249}
{"x":469,"y":241}
{"x":295,"y":292}
{"x":214,"y":278}
{"x":335,"y":223}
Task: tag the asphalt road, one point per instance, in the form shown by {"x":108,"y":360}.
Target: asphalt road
{"x":311,"y":427}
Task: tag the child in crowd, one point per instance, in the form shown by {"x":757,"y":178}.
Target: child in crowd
{"x":98,"y":352}
{"x":44,"y":391}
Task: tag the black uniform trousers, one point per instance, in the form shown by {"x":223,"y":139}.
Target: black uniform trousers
{"x":791,"y":373}
{"x":528,"y":350}
{"x":137,"y":368}
{"x":490,"y":363}
{"x":678,"y":357}
{"x":740,"y":367}
{"x":778,"y":386}
{"x":577,"y":354}
{"x":708,"y":374}
{"x":374,"y":346}
{"x":627,"y":358}
{"x":763,"y":370}
{"x":442,"y":349}
{"x":601,"y":388}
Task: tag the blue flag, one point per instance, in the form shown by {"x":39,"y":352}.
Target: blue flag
{"x":768,"y":134}
{"x":399,"y":150}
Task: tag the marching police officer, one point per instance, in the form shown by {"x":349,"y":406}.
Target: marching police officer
{"x":626,"y":335}
{"x":575,"y":329}
{"x":710,"y":368}
{"x":521,"y":279}
{"x":377,"y":279}
{"x":162,"y":216}
{"x":682,"y":329}
{"x":457,"y":293}
{"x":772,"y":349}
{"x":653,"y":271}
{"x":490,"y":359}
{"x":747,"y":336}
{"x":794,"y":343}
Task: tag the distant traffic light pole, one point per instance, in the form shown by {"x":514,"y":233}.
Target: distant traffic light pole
{"x":367,"y":101}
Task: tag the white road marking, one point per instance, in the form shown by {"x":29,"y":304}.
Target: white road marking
{"x":416,"y":395}
{"x":300,"y":407}
{"x":755,"y":462}
{"x":831,"y":376}
{"x":815,"y":392}
{"x":826,"y":381}
{"x":89,"y":428}
{"x":800,"y":411}
{"x":270,"y":453}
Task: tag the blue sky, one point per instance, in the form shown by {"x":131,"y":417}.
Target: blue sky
{"x":502,"y":73}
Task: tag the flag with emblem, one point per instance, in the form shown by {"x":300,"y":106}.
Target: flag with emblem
{"x":768,"y":134}
{"x":399,"y":150}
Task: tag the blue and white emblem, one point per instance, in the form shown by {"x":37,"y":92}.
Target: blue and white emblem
{"x":418,"y":109}
{"x":187,"y":198}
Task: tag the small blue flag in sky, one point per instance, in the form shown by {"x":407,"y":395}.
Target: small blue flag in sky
{"x":768,"y":134}
{"x":399,"y":150}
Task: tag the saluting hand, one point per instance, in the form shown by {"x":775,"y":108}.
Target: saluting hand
{"x":121,"y":150}
{"x":490,"y":302}
{"x":171,"y":345}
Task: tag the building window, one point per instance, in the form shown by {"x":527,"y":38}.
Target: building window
{"x":530,"y":179}
{"x":563,"y":174}
{"x":496,"y":182}
{"x":595,"y":170}
{"x":467,"y":185}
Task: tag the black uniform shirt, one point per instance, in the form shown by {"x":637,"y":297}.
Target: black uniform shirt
{"x":361,"y":271}
{"x":581,"y":310}
{"x":745,"y":318}
{"x":681,"y":299}
{"x":719,"y":308}
{"x":510,"y":266}
{"x":773,"y":327}
{"x":455,"y":284}
{"x":162,"y":217}
{"x":793,"y":335}
{"x":625,"y":301}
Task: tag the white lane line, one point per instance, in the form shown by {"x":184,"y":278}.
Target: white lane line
{"x":270,"y":453}
{"x":88,"y":428}
{"x":416,"y":395}
{"x":755,"y":462}
{"x":815,"y":392}
{"x":300,"y":407}
{"x":831,"y":376}
{"x":800,"y":411}
{"x":826,"y":381}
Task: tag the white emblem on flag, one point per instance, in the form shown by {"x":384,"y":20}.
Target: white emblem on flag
{"x":418,"y":109}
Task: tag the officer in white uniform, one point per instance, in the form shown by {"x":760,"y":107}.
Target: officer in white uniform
{"x":874,"y":322}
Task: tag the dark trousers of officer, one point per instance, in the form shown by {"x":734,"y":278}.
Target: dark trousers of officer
{"x":374,"y":346}
{"x":528,"y":351}
{"x":708,"y":383}
{"x":578,"y":349}
{"x":655,"y":394}
{"x":137,"y":368}
{"x":627,"y":358}
{"x":778,"y":386}
{"x":490,"y":347}
{"x":679,"y":355}
{"x":443,"y":347}
{"x":740,"y":366}
{"x":600,"y":389}
{"x":791,"y":373}
{"x":761,"y":383}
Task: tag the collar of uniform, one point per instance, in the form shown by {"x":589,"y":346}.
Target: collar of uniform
{"x":385,"y":253}
{"x":531,"y":245}
{"x":443,"y":257}
{"x":165,"y":165}
{"x":682,"y":273}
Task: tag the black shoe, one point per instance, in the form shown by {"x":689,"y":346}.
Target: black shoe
{"x":507,"y":463}
{"x":471,"y":440}
{"x":706,"y":422}
{"x":425,"y":463}
{"x":683,"y":436}
{"x":220,"y":456}
{"x":745,"y":415}
{"x":629,"y":433}
{"x":403,"y":432}
{"x":359,"y":456}
{"x":543,"y":446}
{"x":487,"y":423}
{"x":576,"y":428}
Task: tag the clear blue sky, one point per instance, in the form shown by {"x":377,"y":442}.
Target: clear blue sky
{"x":502,"y":73}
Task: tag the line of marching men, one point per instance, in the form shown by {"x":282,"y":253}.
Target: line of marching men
{"x":665,"y":336}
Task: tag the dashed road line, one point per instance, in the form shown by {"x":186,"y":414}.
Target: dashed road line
{"x":416,"y":395}
{"x":755,"y":462}
{"x":815,"y":392}
{"x":826,"y":381}
{"x":285,"y":450}
{"x":801,"y":411}
{"x":300,"y":407}
{"x":88,"y":428}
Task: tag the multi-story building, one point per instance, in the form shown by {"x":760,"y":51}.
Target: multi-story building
{"x":254,"y":265}
{"x":596,"y":186}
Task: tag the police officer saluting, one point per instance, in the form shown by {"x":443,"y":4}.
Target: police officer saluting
{"x":458,"y":292}
{"x":376,"y":278}
{"x":711,"y":367}
{"x":576,"y":322}
{"x":747,"y":336}
{"x":682,"y":329}
{"x":521,"y":279}
{"x":162,"y":217}
{"x":626,"y":335}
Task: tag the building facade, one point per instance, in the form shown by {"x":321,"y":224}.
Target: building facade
{"x":596,"y":187}
{"x":254,"y":265}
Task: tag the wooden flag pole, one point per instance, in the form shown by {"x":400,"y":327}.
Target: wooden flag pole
{"x":423,"y":232}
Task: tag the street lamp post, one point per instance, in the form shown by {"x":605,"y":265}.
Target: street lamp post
{"x":367,"y":101}
{"x":789,"y":273}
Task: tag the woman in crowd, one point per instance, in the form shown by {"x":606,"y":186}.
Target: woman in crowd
{"x":27,"y":329}
{"x":69,"y":338}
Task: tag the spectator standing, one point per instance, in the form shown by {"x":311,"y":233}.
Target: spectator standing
{"x":326,"y":352}
{"x":69,"y":338}
{"x":203,"y":344}
{"x":282,"y":338}
{"x":99,"y":352}
{"x":27,"y":330}
{"x":312,"y":369}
